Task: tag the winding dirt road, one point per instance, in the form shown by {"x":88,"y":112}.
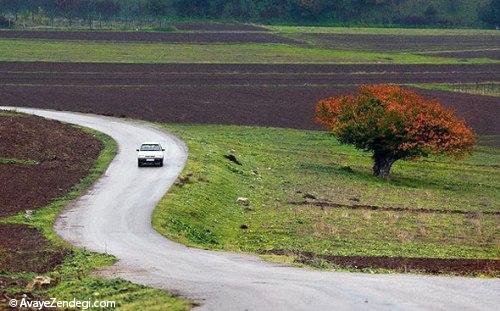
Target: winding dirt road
{"x":114,"y":217}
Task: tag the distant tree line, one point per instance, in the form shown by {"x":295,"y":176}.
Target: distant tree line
{"x":86,"y":10}
{"x":403,"y":12}
{"x":490,"y":14}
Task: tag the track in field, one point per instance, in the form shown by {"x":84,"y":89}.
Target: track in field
{"x":265,"y":95}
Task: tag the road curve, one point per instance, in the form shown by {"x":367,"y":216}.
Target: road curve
{"x":114,"y":217}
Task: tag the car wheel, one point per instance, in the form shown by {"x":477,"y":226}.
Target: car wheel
{"x":139,"y":163}
{"x":160,"y":164}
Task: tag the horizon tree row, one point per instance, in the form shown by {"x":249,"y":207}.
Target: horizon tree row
{"x":401,"y":12}
{"x":86,"y":10}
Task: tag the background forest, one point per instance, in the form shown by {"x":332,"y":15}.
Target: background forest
{"x":415,"y":13}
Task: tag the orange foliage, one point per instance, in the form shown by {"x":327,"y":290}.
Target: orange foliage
{"x":408,"y":124}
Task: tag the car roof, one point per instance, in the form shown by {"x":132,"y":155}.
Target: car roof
{"x":151,"y":143}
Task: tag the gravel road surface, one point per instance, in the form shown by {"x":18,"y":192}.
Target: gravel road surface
{"x":114,"y":217}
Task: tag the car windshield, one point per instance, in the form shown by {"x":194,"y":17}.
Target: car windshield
{"x":150,"y":147}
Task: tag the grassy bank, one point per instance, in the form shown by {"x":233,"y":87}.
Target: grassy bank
{"x":74,"y":277}
{"x":287,"y":175}
{"x":114,"y":52}
{"x":488,"y":89}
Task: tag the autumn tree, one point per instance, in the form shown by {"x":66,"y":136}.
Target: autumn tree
{"x":394,"y":123}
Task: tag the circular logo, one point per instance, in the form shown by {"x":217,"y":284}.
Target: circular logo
{"x":13,"y":303}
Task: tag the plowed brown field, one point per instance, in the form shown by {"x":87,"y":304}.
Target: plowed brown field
{"x":30,"y":251}
{"x":56,"y":157}
{"x":167,"y":37}
{"x":266,"y":95}
{"x":61,"y":155}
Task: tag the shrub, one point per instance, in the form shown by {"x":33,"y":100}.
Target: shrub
{"x":394,"y":123}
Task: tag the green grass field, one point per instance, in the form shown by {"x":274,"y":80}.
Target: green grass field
{"x":74,"y":277}
{"x":488,"y":89}
{"x":280,"y":166}
{"x":383,"y":31}
{"x":88,"y":51}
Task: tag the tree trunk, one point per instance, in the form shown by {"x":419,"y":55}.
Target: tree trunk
{"x":382,"y":164}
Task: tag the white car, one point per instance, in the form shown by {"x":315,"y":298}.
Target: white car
{"x":150,"y":153}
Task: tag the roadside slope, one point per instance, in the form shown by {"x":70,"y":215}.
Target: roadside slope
{"x":115,"y":217}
